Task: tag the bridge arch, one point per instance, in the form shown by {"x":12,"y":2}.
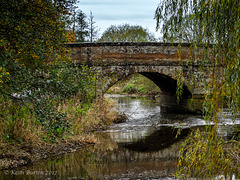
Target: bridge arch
{"x":164,"y":78}
{"x":166,"y":83}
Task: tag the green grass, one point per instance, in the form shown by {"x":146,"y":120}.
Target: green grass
{"x":134,"y":84}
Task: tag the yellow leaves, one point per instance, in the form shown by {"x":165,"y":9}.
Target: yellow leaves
{"x":4,"y":76}
{"x":34,"y":56}
{"x":36,"y":35}
{"x":204,"y":153}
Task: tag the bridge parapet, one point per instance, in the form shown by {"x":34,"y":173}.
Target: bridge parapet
{"x":138,"y":53}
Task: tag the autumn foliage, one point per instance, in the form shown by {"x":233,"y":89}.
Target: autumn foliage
{"x":36,"y":75}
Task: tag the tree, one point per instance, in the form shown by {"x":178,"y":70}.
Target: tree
{"x":93,"y":31}
{"x":76,"y":25}
{"x":35,"y":70}
{"x":127,"y":33}
{"x":217,"y":22}
{"x":32,"y":34}
{"x":81,"y":26}
{"x":70,"y":18}
{"x":30,"y":31}
{"x":186,"y":33}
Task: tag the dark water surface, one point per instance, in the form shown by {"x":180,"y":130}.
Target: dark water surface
{"x":144,"y":147}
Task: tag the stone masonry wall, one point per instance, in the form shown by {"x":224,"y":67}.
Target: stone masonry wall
{"x":117,"y":60}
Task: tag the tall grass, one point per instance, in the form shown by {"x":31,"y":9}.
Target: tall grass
{"x":87,"y":117}
{"x":19,"y":124}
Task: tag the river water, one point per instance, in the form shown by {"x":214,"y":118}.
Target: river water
{"x":143,"y":147}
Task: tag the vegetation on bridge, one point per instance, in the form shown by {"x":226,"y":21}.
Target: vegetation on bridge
{"x":203,"y":23}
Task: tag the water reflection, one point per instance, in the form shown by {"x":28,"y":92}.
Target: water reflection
{"x":144,"y":147}
{"x":161,"y":138}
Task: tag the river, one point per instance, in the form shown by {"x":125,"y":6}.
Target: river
{"x":143,"y":147}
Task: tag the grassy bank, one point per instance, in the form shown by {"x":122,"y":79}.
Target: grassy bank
{"x":135,"y":84}
{"x":29,"y":141}
{"x":49,"y":111}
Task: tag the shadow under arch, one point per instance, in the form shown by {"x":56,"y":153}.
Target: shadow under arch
{"x":166,"y":83}
{"x":167,"y":96}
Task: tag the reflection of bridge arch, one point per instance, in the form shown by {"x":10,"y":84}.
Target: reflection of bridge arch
{"x":158,"y":140}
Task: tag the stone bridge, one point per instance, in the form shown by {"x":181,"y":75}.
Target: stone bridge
{"x":163,"y":63}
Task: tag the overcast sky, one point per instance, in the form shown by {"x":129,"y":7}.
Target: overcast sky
{"x":115,"y":12}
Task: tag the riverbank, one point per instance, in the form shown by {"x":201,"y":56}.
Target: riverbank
{"x":135,"y":84}
{"x":15,"y":154}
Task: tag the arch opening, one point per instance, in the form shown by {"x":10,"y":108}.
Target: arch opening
{"x":133,"y":84}
{"x":166,"y":94}
{"x":155,"y":80}
{"x":166,"y":83}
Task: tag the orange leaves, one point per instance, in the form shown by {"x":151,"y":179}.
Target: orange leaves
{"x":70,"y":36}
{"x":34,"y":56}
{"x":35,"y":31}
